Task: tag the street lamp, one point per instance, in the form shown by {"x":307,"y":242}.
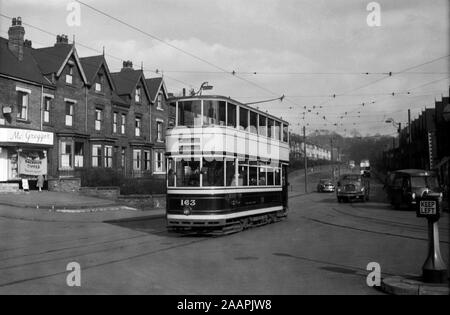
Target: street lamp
{"x":204,"y":87}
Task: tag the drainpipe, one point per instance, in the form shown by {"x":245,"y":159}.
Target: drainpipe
{"x":41,"y":107}
{"x":86,"y":110}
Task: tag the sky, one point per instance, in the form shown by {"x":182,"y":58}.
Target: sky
{"x":307,"y":50}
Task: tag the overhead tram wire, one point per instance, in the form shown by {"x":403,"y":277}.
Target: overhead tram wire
{"x":139,"y":30}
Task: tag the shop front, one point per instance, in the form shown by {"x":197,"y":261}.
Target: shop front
{"x":24,"y":154}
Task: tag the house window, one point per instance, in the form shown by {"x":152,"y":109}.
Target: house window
{"x":147,"y":162}
{"x":136,"y":160}
{"x":96,"y":155}
{"x":65,"y":154}
{"x":79,"y":154}
{"x":108,"y":156}
{"x":137,"y":95}
{"x":98,"y":119}
{"x":115,"y":117}
{"x":47,"y":106}
{"x":69,"y":76}
{"x":159,"y":131}
{"x":137,"y":126}
{"x":69,"y":114}
{"x":123,"y":123}
{"x":22,"y":105}
{"x":159,"y":101}
{"x":98,"y":84}
{"x":159,"y":158}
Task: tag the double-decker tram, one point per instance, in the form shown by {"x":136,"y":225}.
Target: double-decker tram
{"x":226,"y":166}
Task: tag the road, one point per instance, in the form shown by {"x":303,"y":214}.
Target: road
{"x":322,"y":248}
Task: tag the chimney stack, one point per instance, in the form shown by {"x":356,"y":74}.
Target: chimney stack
{"x":16,"y":34}
{"x":62,"y":39}
{"x":127,"y":65}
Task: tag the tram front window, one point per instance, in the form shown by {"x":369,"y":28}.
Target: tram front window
{"x":253,"y":122}
{"x":189,"y":113}
{"x":243,"y":119}
{"x":230,"y":174}
{"x":188,"y":173}
{"x":170,"y":173}
{"x":214,"y":113}
{"x":243,"y":173}
{"x":213,"y":172}
{"x":231,"y":115}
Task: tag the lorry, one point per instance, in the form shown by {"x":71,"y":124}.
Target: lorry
{"x":364,"y":167}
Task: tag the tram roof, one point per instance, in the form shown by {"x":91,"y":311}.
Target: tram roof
{"x":225,"y":98}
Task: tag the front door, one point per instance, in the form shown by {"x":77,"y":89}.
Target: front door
{"x":3,"y":165}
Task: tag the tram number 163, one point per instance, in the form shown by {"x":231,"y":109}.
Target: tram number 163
{"x":188,"y":202}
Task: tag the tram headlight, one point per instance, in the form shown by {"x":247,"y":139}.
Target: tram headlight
{"x":187,"y":210}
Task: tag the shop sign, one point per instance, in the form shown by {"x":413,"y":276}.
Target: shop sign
{"x":26,"y":136}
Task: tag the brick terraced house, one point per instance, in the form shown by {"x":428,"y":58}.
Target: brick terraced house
{"x":60,"y":114}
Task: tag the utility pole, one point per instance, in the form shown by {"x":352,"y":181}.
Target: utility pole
{"x":306,"y":159}
{"x":409,"y":139}
{"x":332,"y":165}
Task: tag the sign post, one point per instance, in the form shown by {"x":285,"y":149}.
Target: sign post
{"x":434,"y":269}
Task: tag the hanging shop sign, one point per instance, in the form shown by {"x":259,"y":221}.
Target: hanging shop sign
{"x":26,"y":136}
{"x":32,"y":163}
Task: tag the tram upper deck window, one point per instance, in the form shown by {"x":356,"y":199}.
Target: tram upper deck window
{"x":213,"y":172}
{"x":231,"y":115}
{"x":214,"y":113}
{"x":253,"y":122}
{"x":277,"y":133}
{"x":188,"y":173}
{"x":270,"y":126}
{"x":262,"y":128}
{"x":189,"y":113}
{"x":285,"y":133}
{"x":243,"y":118}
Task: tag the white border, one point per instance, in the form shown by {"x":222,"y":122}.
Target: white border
{"x":213,"y":191}
{"x":209,"y":217}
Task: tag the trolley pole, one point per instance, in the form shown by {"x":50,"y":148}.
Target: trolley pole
{"x":305,"y":159}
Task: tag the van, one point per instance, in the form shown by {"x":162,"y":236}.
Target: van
{"x":406,"y":187}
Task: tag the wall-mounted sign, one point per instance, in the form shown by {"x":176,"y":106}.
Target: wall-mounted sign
{"x":26,"y":136}
{"x":7,"y":110}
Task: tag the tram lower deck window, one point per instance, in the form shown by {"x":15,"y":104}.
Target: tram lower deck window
{"x":188,"y":173}
{"x":213,"y":172}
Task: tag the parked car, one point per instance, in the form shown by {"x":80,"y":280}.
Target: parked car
{"x":325,"y":185}
{"x":352,"y":186}
{"x":406,"y":187}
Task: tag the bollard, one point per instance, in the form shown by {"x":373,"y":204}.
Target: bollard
{"x":434,"y":269}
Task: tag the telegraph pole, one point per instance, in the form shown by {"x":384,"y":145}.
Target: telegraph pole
{"x":332,"y":165}
{"x":305,"y":159}
{"x":409,"y":139}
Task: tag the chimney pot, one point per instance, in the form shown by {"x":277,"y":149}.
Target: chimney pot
{"x":16,"y":34}
{"x":127,"y":64}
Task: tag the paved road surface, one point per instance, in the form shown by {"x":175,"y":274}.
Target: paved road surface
{"x":322,"y":248}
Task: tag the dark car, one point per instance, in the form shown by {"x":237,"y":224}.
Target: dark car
{"x":352,"y":186}
{"x":325,"y":185}
{"x":406,"y":187}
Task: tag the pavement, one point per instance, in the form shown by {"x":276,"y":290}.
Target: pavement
{"x":71,"y":207}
